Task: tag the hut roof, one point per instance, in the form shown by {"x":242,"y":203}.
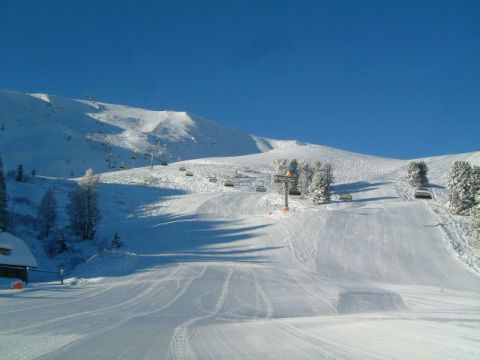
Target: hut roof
{"x":19,"y":254}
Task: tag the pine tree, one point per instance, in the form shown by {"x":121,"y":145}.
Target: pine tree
{"x":47,"y":214}
{"x":62,"y":245}
{"x":317,"y":184}
{"x":280,"y":167}
{"x":476,"y":183}
{"x":304,"y":177}
{"x":475,"y":213}
{"x":293,"y":167}
{"x":416,"y":174}
{"x":326,"y":181}
{"x":117,"y":242}
{"x":460,"y":196}
{"x":3,"y":200}
{"x":19,"y":175}
{"x":83,"y":207}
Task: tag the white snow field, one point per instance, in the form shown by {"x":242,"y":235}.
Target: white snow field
{"x":211,"y":272}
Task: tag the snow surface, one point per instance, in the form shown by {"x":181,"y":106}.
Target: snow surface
{"x":211,"y":272}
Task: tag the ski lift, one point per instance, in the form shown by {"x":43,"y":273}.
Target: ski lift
{"x":189,"y":173}
{"x":423,"y":193}
{"x":260,"y":188}
{"x":228,"y":183}
{"x":122,"y":166}
{"x":182,"y":168}
{"x":212,"y":179}
{"x":322,"y":200}
{"x":294,"y":192}
{"x":345,"y":197}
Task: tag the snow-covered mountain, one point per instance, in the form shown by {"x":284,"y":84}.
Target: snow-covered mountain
{"x":57,"y":136}
{"x":62,"y":137}
{"x":217,"y":272}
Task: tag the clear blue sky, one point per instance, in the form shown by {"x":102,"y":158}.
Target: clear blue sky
{"x":392,"y":78}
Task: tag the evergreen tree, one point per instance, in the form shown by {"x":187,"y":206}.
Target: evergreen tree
{"x":47,"y":214}
{"x":83,"y":207}
{"x":317,"y":185}
{"x":326,"y":181}
{"x":460,"y":196}
{"x":3,"y":200}
{"x":280,"y":167}
{"x":475,"y":213}
{"x":62,"y":245}
{"x":117,"y":241}
{"x":293,"y":167}
{"x":304,"y":177}
{"x":315,"y":181}
{"x":19,"y":175}
{"x":416,"y":174}
{"x":476,"y":183}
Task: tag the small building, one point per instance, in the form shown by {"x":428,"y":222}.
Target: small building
{"x":15,"y":257}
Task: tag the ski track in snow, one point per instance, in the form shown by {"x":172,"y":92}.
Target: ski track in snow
{"x":223,"y":273}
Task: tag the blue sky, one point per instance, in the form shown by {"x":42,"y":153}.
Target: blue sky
{"x":391,"y":78}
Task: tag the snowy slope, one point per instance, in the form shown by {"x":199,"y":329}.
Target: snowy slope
{"x":211,"y":272}
{"x":69,"y":135}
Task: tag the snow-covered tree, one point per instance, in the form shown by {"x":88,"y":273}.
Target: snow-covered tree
{"x":83,"y":207}
{"x":327,"y":180}
{"x":280,"y":167}
{"x":304,"y":177}
{"x":3,"y":200}
{"x":315,"y":183}
{"x":61,"y":245}
{"x":47,"y":214}
{"x":117,"y":241}
{"x":476,"y":183}
{"x":460,"y":196}
{"x":322,"y":180}
{"x":293,"y":167}
{"x":416,"y":174}
{"x":475,"y":214}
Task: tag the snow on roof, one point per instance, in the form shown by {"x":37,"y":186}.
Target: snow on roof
{"x":20,"y":253}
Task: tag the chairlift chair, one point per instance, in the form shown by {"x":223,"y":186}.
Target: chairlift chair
{"x":423,"y":193}
{"x":228,"y":183}
{"x":260,"y":188}
{"x":345,"y":197}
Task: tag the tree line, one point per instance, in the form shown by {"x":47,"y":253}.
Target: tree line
{"x":312,"y":180}
{"x":463,"y":187}
{"x":82,"y":209}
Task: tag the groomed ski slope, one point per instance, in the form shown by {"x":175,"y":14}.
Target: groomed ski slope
{"x":218,"y":273}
